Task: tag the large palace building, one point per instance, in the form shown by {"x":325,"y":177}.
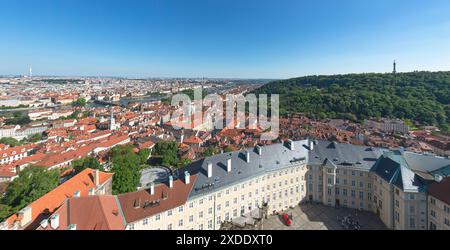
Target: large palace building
{"x":405,"y":190}
{"x":391,"y":184}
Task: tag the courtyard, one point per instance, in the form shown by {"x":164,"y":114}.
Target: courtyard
{"x":319,"y":217}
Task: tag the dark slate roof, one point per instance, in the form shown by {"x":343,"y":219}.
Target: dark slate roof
{"x":344,"y":155}
{"x":393,"y":168}
{"x":386,"y":168}
{"x":276,"y":156}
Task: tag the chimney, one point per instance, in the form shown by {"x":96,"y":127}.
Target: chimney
{"x":54,"y":221}
{"x":44,"y":223}
{"x":290,"y":144}
{"x":310,"y":144}
{"x":438,"y":178}
{"x":187,"y":177}
{"x":229,"y":165}
{"x":77,"y":193}
{"x":152,"y":189}
{"x":259,"y":150}
{"x":247,"y":156}
{"x":72,"y":227}
{"x":97,"y":177}
{"x":209,"y":169}
{"x":171,"y":181}
{"x":25,"y":216}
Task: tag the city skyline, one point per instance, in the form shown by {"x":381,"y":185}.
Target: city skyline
{"x":222,"y":39}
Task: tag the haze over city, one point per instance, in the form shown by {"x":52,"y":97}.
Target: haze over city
{"x":230,"y":39}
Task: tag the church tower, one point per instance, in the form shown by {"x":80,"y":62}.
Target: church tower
{"x":112,"y":121}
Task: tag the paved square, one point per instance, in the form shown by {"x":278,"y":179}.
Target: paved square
{"x":319,"y":217}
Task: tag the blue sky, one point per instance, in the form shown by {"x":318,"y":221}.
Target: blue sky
{"x":222,"y":38}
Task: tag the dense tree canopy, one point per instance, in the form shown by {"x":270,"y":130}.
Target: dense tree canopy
{"x":10,"y":141}
{"x":32,"y":183}
{"x":168,"y":151}
{"x":80,"y":102}
{"x":144,"y":154}
{"x":35,"y":138}
{"x":18,"y":118}
{"x":88,"y":162}
{"x":420,"y":96}
{"x":126,"y":169}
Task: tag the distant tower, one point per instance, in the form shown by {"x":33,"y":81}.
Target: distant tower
{"x":30,"y":73}
{"x":112,"y":121}
{"x":395,"y":68}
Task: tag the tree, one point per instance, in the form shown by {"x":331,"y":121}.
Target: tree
{"x":18,"y":119}
{"x":32,"y":183}
{"x":10,"y":141}
{"x":5,"y":211}
{"x":125,"y":166}
{"x":418,"y":96}
{"x":35,"y":138}
{"x":88,"y":162}
{"x":144,"y":154}
{"x":80,"y":102}
{"x":168,"y":151}
{"x":227,"y":149}
{"x":182,"y":163}
{"x":210,"y":151}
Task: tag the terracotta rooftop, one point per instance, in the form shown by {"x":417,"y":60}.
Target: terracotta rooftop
{"x":141,"y":204}
{"x":98,"y":212}
{"x":48,"y":203}
{"x":441,"y":190}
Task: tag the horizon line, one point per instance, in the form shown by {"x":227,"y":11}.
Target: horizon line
{"x":213,"y":78}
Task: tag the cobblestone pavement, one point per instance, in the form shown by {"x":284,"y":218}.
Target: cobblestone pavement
{"x":320,"y":217}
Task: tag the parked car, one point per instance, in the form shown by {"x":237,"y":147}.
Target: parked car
{"x":287,"y":219}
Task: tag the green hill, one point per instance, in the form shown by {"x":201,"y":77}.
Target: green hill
{"x":420,"y":96}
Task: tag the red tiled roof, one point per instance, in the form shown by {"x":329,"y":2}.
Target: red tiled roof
{"x":147,"y":144}
{"x":192,"y":140}
{"x":441,"y":190}
{"x":5,"y":153}
{"x":51,"y":201}
{"x":99,"y":212}
{"x":168,"y":197}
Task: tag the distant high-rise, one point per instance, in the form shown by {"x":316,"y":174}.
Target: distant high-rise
{"x":30,"y":74}
{"x":395,"y":68}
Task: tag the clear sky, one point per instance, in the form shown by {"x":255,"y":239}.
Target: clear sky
{"x":222,"y":38}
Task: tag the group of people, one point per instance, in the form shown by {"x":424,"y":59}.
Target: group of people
{"x":349,"y":223}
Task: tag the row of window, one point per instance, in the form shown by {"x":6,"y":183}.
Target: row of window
{"x":352,"y":183}
{"x":352,"y":193}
